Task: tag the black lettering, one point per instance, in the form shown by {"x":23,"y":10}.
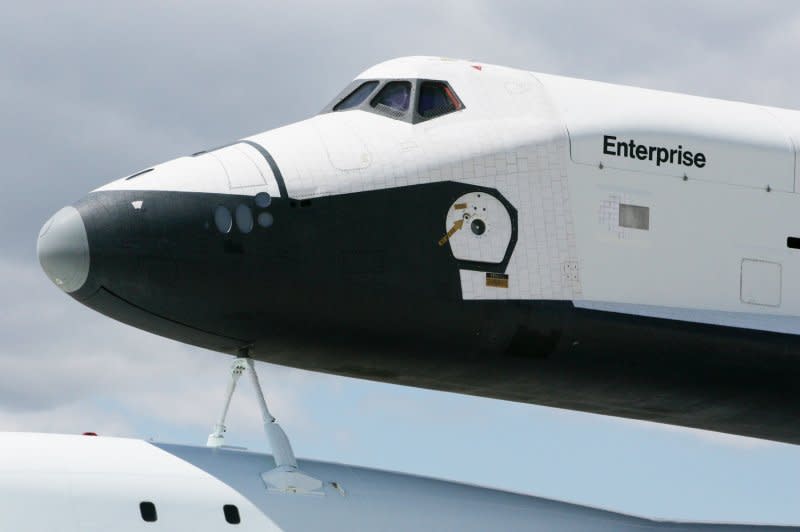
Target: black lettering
{"x":608,"y":143}
{"x":699,"y":160}
{"x":659,"y":154}
{"x":662,"y":156}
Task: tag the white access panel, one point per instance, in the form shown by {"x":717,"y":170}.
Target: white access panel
{"x":761,"y":283}
{"x":245,"y":168}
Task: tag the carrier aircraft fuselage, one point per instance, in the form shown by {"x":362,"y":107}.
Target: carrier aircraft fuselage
{"x":482,"y":230}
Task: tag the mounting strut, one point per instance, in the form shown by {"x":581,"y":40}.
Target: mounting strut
{"x":286,"y":476}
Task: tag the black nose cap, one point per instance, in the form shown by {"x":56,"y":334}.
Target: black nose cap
{"x":63,"y":249}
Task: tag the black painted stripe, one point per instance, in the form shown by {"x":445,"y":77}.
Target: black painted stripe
{"x":272,"y":164}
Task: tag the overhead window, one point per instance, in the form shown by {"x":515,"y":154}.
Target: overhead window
{"x":393,"y":98}
{"x":355,"y":98}
{"x":437,"y":99}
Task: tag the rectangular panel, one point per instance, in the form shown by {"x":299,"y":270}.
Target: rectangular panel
{"x":634,"y":216}
{"x":761,"y":283}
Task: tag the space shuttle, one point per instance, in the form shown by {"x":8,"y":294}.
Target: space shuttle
{"x":473,"y":228}
{"x":461,"y":226}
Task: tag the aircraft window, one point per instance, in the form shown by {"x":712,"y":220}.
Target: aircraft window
{"x":231,"y":514}
{"x":355,"y":98}
{"x":223,"y":219}
{"x":244,"y":218}
{"x":437,"y":99}
{"x":393,"y":98}
{"x":265,"y":219}
{"x":148,"y":511}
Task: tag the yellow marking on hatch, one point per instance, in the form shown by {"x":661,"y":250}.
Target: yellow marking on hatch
{"x":458,"y":224}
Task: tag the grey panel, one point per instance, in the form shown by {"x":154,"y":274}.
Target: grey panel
{"x":634,"y":216}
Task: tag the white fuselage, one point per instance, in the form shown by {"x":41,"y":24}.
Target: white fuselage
{"x":60,"y":483}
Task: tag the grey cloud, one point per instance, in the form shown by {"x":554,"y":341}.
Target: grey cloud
{"x":716,"y":48}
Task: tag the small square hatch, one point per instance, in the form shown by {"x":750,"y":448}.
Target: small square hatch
{"x":761,"y":283}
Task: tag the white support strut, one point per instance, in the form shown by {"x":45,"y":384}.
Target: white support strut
{"x":217,"y":437}
{"x":281,"y":448}
{"x":286,"y":476}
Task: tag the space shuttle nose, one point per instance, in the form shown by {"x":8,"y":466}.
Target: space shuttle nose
{"x":63,"y":249}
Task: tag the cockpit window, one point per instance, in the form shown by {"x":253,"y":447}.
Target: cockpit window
{"x":355,"y":98}
{"x":406,"y":100}
{"x":436,"y":99}
{"x":393,"y":98}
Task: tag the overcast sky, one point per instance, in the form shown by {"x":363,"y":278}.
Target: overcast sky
{"x":92,"y":91}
